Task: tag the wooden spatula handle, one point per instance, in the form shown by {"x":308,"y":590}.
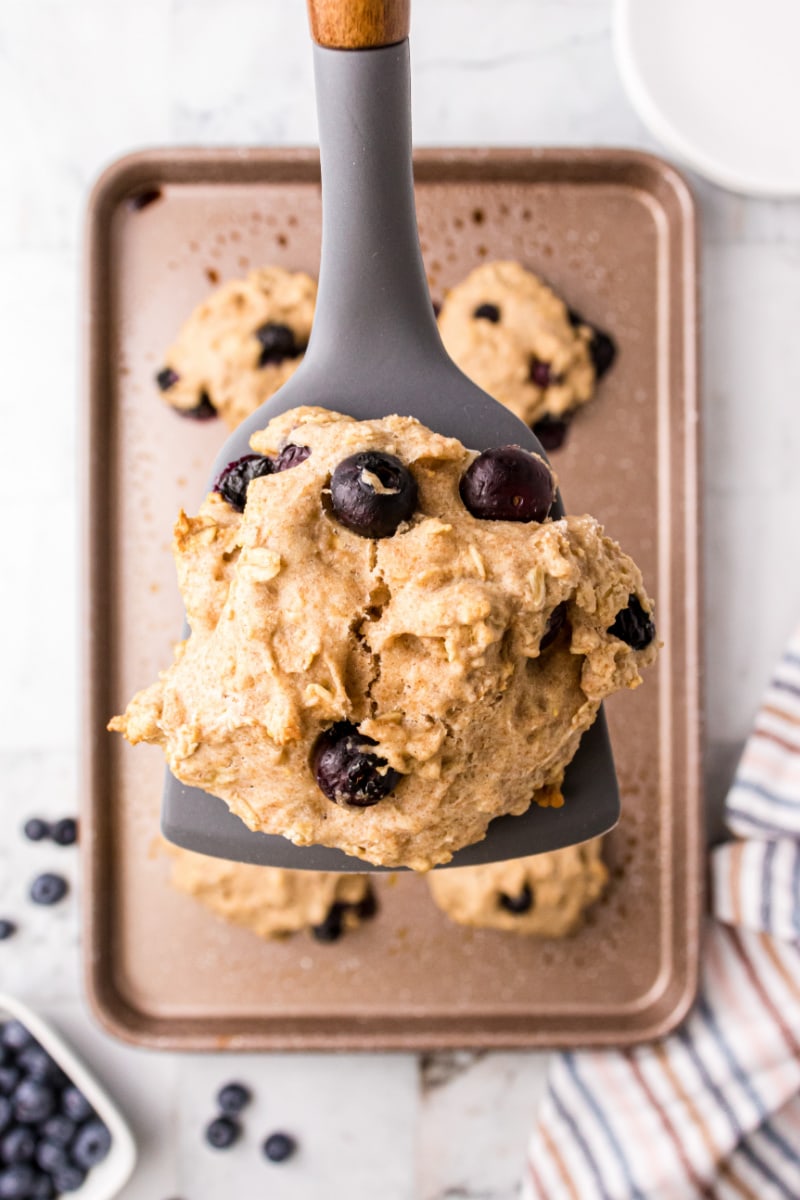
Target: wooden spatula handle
{"x":358,"y":24}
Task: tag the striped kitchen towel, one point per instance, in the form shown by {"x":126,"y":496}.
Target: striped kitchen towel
{"x":712,"y":1110}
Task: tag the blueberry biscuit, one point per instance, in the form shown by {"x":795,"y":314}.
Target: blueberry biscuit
{"x":239,"y":346}
{"x":392,"y":641}
{"x":545,"y":895}
{"x":516,"y":339}
{"x":271,"y":902}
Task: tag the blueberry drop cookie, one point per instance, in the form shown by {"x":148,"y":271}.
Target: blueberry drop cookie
{"x":392,"y":638}
{"x":271,"y":902}
{"x":239,"y":346}
{"x":545,"y":895}
{"x":512,"y":335}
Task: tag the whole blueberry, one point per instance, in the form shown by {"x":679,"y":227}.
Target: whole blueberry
{"x":51,"y":1157}
{"x":521,"y":903}
{"x":166,"y":378}
{"x":37,"y":1063}
{"x":204,"y":410}
{"x":277,"y":343}
{"x":9,"y":1078}
{"x":7,"y":929}
{"x":541,"y":373}
{"x":331,"y":929}
{"x":58,"y":1129}
{"x":36,"y":830}
{"x":91,"y":1145}
{"x":75,"y":1105}
{"x":372,"y":493}
{"x":68,"y":1178}
{"x":555,"y":623}
{"x":633,"y":625}
{"x":14,"y":1035}
{"x":551,"y":431}
{"x":48,"y":889}
{"x":279,"y":1146}
{"x":5,"y":1113}
{"x":43,"y":1188}
{"x":65,"y":831}
{"x":232,"y":482}
{"x":33,"y":1102}
{"x":291,"y":456}
{"x":233,"y":1097}
{"x":346,"y":771}
{"x":487,"y":312}
{"x":16,"y":1183}
{"x":18,"y":1145}
{"x":508,"y":484}
{"x":222,"y":1133}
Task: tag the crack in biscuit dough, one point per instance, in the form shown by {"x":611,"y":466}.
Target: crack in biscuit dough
{"x":533,"y":325}
{"x":559,"y":885}
{"x":269,"y":901}
{"x":428,"y":641}
{"x":217,"y":351}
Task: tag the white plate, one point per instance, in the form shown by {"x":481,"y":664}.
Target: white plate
{"x":718,"y":82}
{"x":110,"y":1176}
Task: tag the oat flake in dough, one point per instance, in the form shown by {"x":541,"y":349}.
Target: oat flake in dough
{"x":428,"y":640}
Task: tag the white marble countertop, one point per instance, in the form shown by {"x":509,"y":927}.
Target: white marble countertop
{"x":80,"y":84}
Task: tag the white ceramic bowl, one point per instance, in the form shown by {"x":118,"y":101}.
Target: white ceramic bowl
{"x":108,"y":1177}
{"x":718,"y":83}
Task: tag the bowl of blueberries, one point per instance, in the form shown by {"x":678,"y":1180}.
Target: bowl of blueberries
{"x":60,"y":1134}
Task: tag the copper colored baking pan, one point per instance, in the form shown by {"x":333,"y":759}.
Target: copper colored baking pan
{"x":614,"y":231}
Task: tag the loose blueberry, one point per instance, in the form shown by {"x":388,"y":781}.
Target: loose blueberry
{"x":346,"y":771}
{"x":18,"y":1146}
{"x":222,"y":1133}
{"x":232,"y":482}
{"x":541,"y":373}
{"x":36,"y":830}
{"x":166,"y":379}
{"x":277,"y":343}
{"x":517,"y":904}
{"x":602,"y":352}
{"x":633,"y":625}
{"x":51,"y":1157}
{"x":33,"y":1102}
{"x":65,"y":832}
{"x":233,"y":1098}
{"x":91,"y":1145}
{"x":372,"y":493}
{"x":9,"y":1078}
{"x":69,"y":1178}
{"x":279,"y":1146}
{"x":551,"y":431}
{"x":48,"y":889}
{"x":331,"y":929}
{"x":7,"y":929}
{"x":16,"y":1183}
{"x":508,"y":484}
{"x":555,"y":623}
{"x":291,"y":456}
{"x":5,"y":1113}
{"x":59,"y":1130}
{"x":43,"y":1188}
{"x":75,"y":1105}
{"x":14,"y":1035}
{"x":487,"y":312}
{"x":204,"y":410}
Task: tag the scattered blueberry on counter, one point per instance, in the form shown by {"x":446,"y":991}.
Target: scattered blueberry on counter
{"x":48,"y":889}
{"x":7,"y":929}
{"x":222,"y":1133}
{"x":36,"y":830}
{"x":63,"y":832}
{"x":279,"y":1146}
{"x":50,"y":1136}
{"x":232,"y":1098}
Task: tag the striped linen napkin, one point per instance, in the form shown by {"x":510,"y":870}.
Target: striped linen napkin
{"x":713,"y":1109}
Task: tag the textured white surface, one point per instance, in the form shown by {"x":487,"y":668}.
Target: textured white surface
{"x":84,"y":82}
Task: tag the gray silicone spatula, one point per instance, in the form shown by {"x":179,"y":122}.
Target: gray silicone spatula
{"x":375,"y":350}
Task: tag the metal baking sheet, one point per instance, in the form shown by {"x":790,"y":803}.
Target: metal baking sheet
{"x":614,"y":232}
